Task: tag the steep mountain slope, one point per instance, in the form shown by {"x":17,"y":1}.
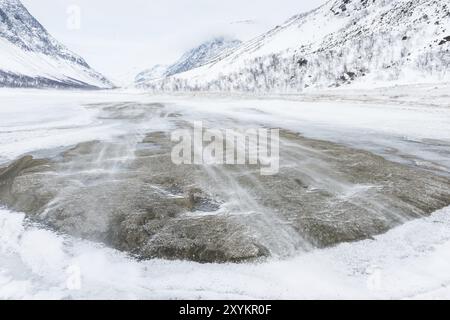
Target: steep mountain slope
{"x":192,"y":59}
{"x":31,"y":57}
{"x":341,"y":42}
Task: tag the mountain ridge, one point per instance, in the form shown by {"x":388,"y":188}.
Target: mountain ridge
{"x":339,"y":43}
{"x":193,"y":58}
{"x":31,"y":57}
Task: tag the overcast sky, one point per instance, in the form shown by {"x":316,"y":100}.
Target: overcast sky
{"x":120,"y":38}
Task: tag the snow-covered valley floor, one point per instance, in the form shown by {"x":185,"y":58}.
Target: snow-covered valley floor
{"x":409,"y":125}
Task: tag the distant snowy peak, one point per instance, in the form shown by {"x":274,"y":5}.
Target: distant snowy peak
{"x":31,"y":57}
{"x":194,"y":58}
{"x":202,"y":54}
{"x":342,"y":42}
{"x":157,"y":72}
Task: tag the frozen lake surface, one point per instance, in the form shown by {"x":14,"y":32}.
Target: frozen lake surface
{"x":407,"y":125}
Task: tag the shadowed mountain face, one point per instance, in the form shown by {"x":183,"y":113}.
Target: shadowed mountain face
{"x":31,"y":57}
{"x":340,"y":43}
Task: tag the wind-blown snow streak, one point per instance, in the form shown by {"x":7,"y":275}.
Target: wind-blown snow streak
{"x":340,"y":43}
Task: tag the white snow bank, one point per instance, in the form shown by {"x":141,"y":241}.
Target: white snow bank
{"x":411,"y":261}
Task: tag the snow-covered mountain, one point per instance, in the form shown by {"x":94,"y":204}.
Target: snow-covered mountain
{"x":194,"y":58}
{"x":156,"y":72}
{"x":31,"y":57}
{"x":339,"y":43}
